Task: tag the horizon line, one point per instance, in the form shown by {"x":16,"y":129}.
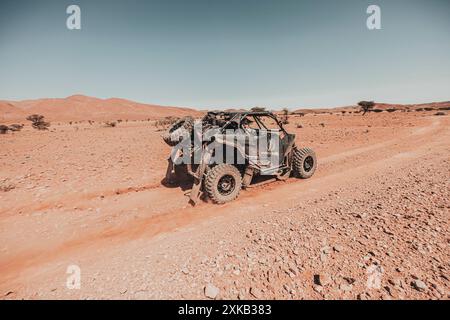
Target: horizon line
{"x":224,"y":107}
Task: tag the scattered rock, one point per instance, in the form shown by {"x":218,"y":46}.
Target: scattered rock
{"x":346,"y":287}
{"x":185,"y":270}
{"x":322,"y":280}
{"x":396,"y":282}
{"x":9,"y":293}
{"x":242,"y":294}
{"x":256,"y":292}
{"x":326,"y":250}
{"x":419,"y":285}
{"x":211,"y":291}
{"x":318,"y":288}
{"x":349,"y":280}
{"x":363,"y":296}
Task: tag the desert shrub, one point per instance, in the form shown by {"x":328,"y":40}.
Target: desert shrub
{"x":110,"y":124}
{"x":366,"y":106}
{"x":377,"y":110}
{"x":3,"y":129}
{"x":16,"y":127}
{"x":35,"y":117}
{"x":440,"y":113}
{"x":119,"y":121}
{"x":419,"y":109}
{"x":429,"y":109}
{"x":444,"y":108}
{"x":162,"y":124}
{"x":299,"y":126}
{"x":391,"y":110}
{"x":258,"y":109}
{"x":38,"y":122}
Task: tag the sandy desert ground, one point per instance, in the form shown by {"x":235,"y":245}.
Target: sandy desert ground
{"x":92,"y":196}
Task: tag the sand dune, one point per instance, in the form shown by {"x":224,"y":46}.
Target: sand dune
{"x":79,"y":107}
{"x":9,"y":112}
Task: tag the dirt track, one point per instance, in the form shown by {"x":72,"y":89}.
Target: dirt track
{"x":93,"y":197}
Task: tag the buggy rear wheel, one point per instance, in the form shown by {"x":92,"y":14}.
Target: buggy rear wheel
{"x":305,"y":163}
{"x":223,"y":183}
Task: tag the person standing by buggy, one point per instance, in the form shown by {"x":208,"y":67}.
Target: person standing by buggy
{"x":222,"y":182}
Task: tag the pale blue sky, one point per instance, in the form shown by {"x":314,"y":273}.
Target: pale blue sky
{"x":227,"y":53}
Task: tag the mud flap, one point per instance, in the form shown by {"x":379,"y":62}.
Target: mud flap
{"x":248,"y":175}
{"x":289,"y":145}
{"x":199,"y":176}
{"x":170,"y":171}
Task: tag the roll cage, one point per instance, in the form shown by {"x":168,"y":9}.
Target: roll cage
{"x":225,"y":120}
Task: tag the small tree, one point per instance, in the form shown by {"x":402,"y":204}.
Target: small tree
{"x":258,"y":109}
{"x":38,"y":122}
{"x":366,"y":106}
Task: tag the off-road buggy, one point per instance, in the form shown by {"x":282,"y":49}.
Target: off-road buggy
{"x":227,"y":151}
